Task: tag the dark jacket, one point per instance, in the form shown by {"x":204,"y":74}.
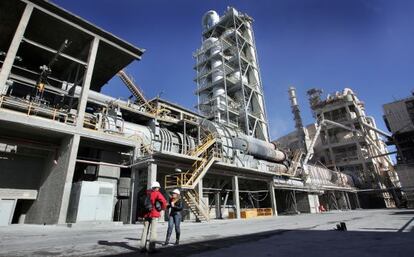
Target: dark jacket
{"x":177,"y":208}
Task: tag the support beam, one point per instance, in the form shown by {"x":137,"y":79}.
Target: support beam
{"x":200,"y":189}
{"x":236,"y":197}
{"x":53,"y":51}
{"x":273,"y":197}
{"x":79,"y":27}
{"x":152,"y":174}
{"x":224,"y":204}
{"x":87,"y":82}
{"x":14,"y":46}
{"x":217,"y":203}
{"x":348,"y":202}
{"x":358,"y":204}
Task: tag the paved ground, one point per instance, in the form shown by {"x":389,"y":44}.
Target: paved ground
{"x":370,"y":233}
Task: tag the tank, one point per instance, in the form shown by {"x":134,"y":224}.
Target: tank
{"x":210,"y":19}
{"x":248,"y":34}
{"x":211,"y":45}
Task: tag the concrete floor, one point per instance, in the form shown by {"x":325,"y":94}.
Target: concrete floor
{"x":370,"y":233}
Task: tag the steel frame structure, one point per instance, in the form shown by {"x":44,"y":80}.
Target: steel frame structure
{"x":244,"y":101}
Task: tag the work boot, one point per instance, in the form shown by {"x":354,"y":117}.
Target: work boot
{"x":177,"y":239}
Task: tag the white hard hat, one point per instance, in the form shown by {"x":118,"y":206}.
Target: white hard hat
{"x":176,"y":191}
{"x":155,"y":184}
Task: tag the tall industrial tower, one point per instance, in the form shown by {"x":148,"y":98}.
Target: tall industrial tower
{"x":302,"y":133}
{"x":229,"y":86}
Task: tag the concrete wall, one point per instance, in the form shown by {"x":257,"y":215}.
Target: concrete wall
{"x":302,"y":201}
{"x":53,"y":198}
{"x":21,"y":172}
{"x":406,"y":176}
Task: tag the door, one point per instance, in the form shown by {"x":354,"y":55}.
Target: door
{"x":6,"y":211}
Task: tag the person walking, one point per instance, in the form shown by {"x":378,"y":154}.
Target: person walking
{"x":154,"y":203}
{"x":175,"y":206}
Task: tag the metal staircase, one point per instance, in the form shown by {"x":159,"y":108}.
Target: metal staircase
{"x":197,"y":206}
{"x":187,"y":181}
{"x":205,"y":145}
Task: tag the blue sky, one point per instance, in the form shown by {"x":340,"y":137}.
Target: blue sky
{"x":367,"y":45}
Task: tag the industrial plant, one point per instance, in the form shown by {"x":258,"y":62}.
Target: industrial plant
{"x":71,"y":154}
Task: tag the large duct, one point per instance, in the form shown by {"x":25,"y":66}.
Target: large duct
{"x":258,"y":148}
{"x":231,"y":139}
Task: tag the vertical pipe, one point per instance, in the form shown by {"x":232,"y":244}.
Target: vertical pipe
{"x":273,"y":197}
{"x":185,"y":138}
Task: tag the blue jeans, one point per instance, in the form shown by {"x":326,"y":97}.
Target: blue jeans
{"x":174,"y":220}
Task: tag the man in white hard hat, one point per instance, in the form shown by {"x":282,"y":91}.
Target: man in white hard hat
{"x":154,"y":204}
{"x":175,"y":206}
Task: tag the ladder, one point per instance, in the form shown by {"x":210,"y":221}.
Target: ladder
{"x":187,"y":181}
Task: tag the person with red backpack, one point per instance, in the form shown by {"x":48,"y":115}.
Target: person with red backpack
{"x":154,"y":203}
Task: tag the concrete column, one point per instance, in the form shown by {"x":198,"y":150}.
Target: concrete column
{"x":217,"y":203}
{"x":236,"y":197}
{"x":152,"y":174}
{"x":87,"y":82}
{"x":71,"y":163}
{"x":52,"y":203}
{"x":134,"y":195}
{"x":200,"y":189}
{"x":134,"y":190}
{"x":273,"y":197}
{"x":348,"y":203}
{"x":14,"y":46}
{"x":223,"y":209}
{"x":358,"y":204}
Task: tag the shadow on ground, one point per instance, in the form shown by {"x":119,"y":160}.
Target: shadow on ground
{"x":403,"y":213}
{"x":293,"y":243}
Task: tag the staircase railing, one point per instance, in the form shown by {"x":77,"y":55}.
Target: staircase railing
{"x":201,"y":211}
{"x":205,"y":144}
{"x":187,"y":181}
